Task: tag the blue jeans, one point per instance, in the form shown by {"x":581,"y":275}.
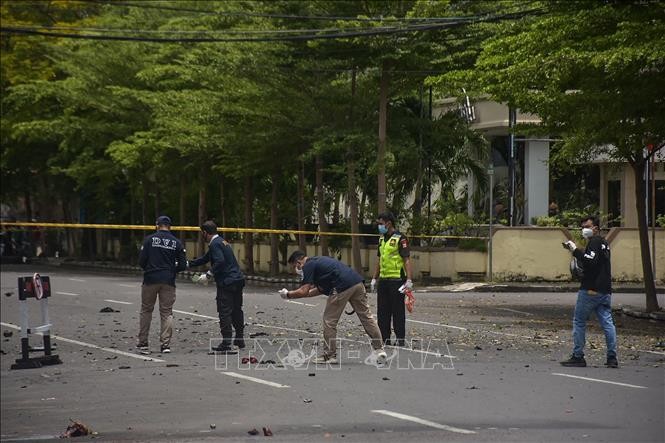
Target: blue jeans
{"x":601,"y":305}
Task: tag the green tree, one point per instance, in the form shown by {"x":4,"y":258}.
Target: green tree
{"x":593,"y":71}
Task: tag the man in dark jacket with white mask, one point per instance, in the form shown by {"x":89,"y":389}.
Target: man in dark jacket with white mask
{"x":595,"y":294}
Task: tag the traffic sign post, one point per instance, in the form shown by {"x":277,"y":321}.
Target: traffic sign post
{"x":39,"y":288}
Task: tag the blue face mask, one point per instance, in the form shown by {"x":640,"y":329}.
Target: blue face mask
{"x":382,"y":229}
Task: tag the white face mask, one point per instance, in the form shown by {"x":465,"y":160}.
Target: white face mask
{"x":587,"y":232}
{"x":300,"y":273}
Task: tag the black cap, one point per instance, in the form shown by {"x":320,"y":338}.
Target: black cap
{"x":163,"y":220}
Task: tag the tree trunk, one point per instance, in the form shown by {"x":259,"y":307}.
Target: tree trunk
{"x":335,"y":214}
{"x":301,"y":206}
{"x":202,"y":214}
{"x":249,"y":239}
{"x":144,"y":202}
{"x":647,"y":270}
{"x":418,"y":187}
{"x":181,"y":206}
{"x":320,"y":198}
{"x":383,"y":125}
{"x":351,"y":180}
{"x":222,"y":206}
{"x":27,"y":200}
{"x":158,"y":202}
{"x":274,"y":238}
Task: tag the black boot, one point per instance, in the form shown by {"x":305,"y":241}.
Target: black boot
{"x":239,"y":341}
{"x":574,"y":362}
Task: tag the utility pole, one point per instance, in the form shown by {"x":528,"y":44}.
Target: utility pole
{"x":512,"y":120}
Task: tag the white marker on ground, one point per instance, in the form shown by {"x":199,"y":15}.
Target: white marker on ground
{"x":431,"y":424}
{"x":76,"y":279}
{"x":66,"y":293}
{"x":118,"y":301}
{"x":127,"y":286}
{"x":255,"y":380}
{"x":91,"y":345}
{"x":600,"y":381}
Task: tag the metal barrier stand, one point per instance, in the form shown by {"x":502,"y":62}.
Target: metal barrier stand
{"x":39,"y":288}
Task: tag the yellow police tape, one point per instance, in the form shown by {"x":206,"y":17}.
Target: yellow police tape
{"x":43,"y":225}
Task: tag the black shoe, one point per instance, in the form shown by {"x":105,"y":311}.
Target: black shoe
{"x":387,"y":343}
{"x":239,"y":342}
{"x":574,"y":362}
{"x":401,"y":343}
{"x":166,"y":349}
{"x":612,"y":362}
{"x":224,"y":349}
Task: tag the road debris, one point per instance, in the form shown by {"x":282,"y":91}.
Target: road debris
{"x":253,"y":432}
{"x":108,"y":309}
{"x":76,"y":429}
{"x":267,"y":432}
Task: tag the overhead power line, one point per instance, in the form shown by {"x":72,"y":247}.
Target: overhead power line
{"x":338,"y":34}
{"x":269,"y":15}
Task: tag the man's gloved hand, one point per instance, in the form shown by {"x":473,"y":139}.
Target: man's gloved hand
{"x":372,"y":285}
{"x":408,"y":285}
{"x":570,"y":245}
{"x":283,"y":293}
{"x":201,"y":278}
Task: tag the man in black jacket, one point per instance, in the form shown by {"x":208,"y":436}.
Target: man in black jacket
{"x":230,"y":281}
{"x":161,"y":257}
{"x":595,"y":294}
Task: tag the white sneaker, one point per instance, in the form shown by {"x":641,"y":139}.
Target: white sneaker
{"x":145,"y":350}
{"x":381,"y":357}
{"x":325,"y":359}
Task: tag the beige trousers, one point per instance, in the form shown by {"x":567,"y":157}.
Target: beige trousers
{"x":149,"y":294}
{"x":357,"y":297}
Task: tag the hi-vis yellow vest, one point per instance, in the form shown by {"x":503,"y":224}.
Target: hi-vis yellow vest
{"x":391,"y":262}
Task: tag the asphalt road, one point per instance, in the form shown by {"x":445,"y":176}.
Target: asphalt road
{"x":481,"y":367}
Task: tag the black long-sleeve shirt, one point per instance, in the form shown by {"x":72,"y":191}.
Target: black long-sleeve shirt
{"x":595,"y":261}
{"x":161,"y":257}
{"x":223,"y":263}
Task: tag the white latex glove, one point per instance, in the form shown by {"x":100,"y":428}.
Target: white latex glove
{"x":408,"y":285}
{"x":283,"y":293}
{"x":202,"y":278}
{"x":372,"y":285}
{"x":571,"y":245}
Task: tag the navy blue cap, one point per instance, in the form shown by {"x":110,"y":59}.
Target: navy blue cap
{"x":163,"y":220}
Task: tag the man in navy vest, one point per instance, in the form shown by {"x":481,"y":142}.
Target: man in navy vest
{"x":161,"y":257}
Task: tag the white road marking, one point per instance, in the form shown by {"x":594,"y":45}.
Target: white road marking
{"x":196,"y":315}
{"x":127,"y":286}
{"x":300,"y":303}
{"x":66,"y":293}
{"x":118,"y":301}
{"x":514,"y":310}
{"x":600,"y":381}
{"x":437,"y":324}
{"x":90,"y":345}
{"x":76,"y":279}
{"x":651,"y":352}
{"x":260,"y":325}
{"x":255,"y":380}
{"x":422,"y":422}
